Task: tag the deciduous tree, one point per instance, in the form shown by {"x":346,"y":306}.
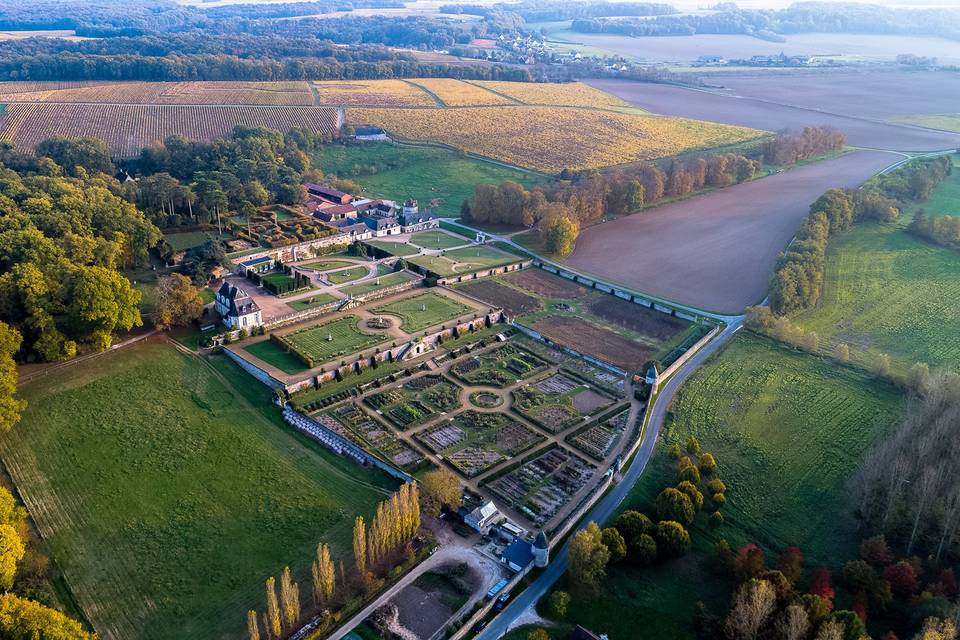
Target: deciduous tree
{"x":289,"y":599}
{"x":178,"y":302}
{"x":588,"y":557}
{"x":272,"y":615}
{"x":10,"y":405}
{"x":675,"y":505}
{"x":752,"y":608}
{"x":253,"y":627}
{"x":439,"y":487}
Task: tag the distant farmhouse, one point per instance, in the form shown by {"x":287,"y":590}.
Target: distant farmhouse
{"x":367,"y":134}
{"x":237,"y":309}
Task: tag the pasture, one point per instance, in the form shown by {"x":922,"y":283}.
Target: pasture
{"x":886,"y":291}
{"x":168,"y":490}
{"x":549,"y":138}
{"x":422,"y":311}
{"x":427,"y":174}
{"x":788,"y":431}
{"x":692,"y":252}
{"x":464,"y":261}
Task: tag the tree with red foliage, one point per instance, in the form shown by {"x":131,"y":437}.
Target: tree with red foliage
{"x":790,"y":563}
{"x":749,"y":562}
{"x":902,"y":577}
{"x":860,"y":606}
{"x":948,"y":583}
{"x":820,"y":584}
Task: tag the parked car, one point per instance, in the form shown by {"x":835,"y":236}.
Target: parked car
{"x":480,"y":626}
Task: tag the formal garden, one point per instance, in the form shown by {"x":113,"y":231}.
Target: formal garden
{"x":423,"y":311}
{"x":558,"y":402}
{"x":473,"y":442}
{"x":349,"y":421}
{"x":499,"y":367}
{"x":539,"y":488}
{"x":416,"y":401}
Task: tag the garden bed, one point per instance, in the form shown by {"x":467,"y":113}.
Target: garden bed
{"x":499,"y":367}
{"x":352,"y":423}
{"x":558,"y":402}
{"x":598,"y":440}
{"x":472,"y":442}
{"x":416,"y":401}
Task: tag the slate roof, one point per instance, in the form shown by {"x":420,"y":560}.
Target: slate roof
{"x":540,"y":542}
{"x":518,"y":553}
{"x":240,"y":304}
{"x":417,"y":218}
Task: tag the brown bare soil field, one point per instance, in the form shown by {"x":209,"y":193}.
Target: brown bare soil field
{"x":717,"y":251}
{"x":637,"y":318}
{"x":128,"y":128}
{"x":867,"y":95}
{"x":759,"y":114}
{"x":595,"y":341}
{"x":545,"y":285}
{"x":507,"y":298}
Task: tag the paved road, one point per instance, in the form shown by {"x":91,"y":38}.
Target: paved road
{"x":607,"y":505}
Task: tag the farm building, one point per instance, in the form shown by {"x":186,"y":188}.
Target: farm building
{"x":329,"y":194}
{"x":336,"y":212}
{"x":381,"y":225}
{"x":517,"y":555}
{"x":370,"y":134}
{"x":257,"y":265}
{"x":483,"y":517}
{"x":237,"y":309}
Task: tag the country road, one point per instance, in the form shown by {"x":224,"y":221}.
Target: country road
{"x":608,"y":505}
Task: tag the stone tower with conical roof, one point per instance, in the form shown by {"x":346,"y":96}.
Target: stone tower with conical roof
{"x":541,"y":550}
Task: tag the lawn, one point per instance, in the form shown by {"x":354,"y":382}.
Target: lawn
{"x":788,"y":431}
{"x":438,"y":240}
{"x":464,"y":261}
{"x":401,"y":249}
{"x":422,"y":311}
{"x":424,"y":173}
{"x":275,"y":355}
{"x":945,"y":199}
{"x":347,"y":275}
{"x":167,"y":498}
{"x":313,"y":301}
{"x":332,"y":339}
{"x":325,"y":264}
{"x":369,"y":286}
{"x":187,"y":239}
{"x":886,"y":291}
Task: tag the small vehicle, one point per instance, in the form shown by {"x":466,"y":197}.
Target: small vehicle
{"x":480,"y":626}
{"x":501,"y":602}
{"x":497,"y":588}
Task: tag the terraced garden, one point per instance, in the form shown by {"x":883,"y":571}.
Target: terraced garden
{"x":499,"y":367}
{"x":422,"y":311}
{"x":319,"y":344}
{"x":464,"y":261}
{"x":473,"y":442}
{"x":541,"y":487}
{"x":416,"y":401}
{"x":558,"y":402}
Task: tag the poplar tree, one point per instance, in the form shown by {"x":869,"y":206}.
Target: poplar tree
{"x":414,"y":507}
{"x":272,"y":622}
{"x":323,"y":575}
{"x":253,"y":628}
{"x":289,"y":599}
{"x":360,"y":545}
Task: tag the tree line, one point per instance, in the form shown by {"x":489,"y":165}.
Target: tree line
{"x":797,"y":281}
{"x":550,"y":10}
{"x":797,"y":18}
{"x":787,"y":149}
{"x":943,"y":230}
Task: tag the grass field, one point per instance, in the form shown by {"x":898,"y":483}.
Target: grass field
{"x":187,"y":240}
{"x":788,"y":430}
{"x":424,"y":173}
{"x":886,"y":291}
{"x":944,"y":121}
{"x":313,"y":301}
{"x":389,"y":280}
{"x":402,"y":249}
{"x":945,"y":199}
{"x":347,"y":275}
{"x":422,"y":311}
{"x":167,"y":497}
{"x":465,"y":260}
{"x":346,"y":339}
{"x":438,"y":240}
{"x":325,"y":264}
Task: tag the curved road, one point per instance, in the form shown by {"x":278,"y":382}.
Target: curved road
{"x":609,"y":503}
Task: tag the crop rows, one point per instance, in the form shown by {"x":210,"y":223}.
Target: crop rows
{"x":550,"y":139}
{"x":456,"y":93}
{"x":381,"y":93}
{"x":574,"y":94}
{"x":126,"y":129}
{"x":212,"y":93}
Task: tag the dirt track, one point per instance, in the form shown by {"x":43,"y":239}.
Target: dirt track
{"x":749,"y":112}
{"x":717,"y":251}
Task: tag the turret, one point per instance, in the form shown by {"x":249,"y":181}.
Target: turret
{"x":541,"y":550}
